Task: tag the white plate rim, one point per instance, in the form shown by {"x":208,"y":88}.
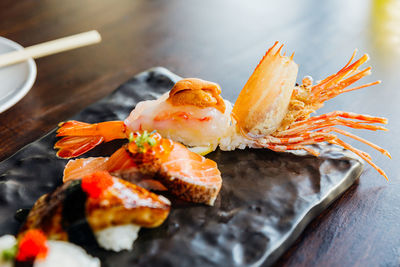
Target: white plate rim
{"x":22,"y":91}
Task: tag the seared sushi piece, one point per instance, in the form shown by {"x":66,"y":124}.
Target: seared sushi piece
{"x":97,"y":208}
{"x":33,"y":249}
{"x":159,"y":164}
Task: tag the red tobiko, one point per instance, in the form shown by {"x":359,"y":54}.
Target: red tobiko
{"x":94,"y":184}
{"x":32,"y":245}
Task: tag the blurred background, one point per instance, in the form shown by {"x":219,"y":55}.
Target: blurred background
{"x":222,"y":41}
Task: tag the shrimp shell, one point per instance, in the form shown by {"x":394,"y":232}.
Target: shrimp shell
{"x":263,"y":102}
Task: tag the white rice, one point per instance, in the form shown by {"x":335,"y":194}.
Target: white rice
{"x":6,"y":242}
{"x":233,"y":139}
{"x":118,"y":238}
{"x":64,"y":254}
{"x":60,"y":254}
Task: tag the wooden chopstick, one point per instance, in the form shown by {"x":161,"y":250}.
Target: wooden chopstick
{"x":51,"y":47}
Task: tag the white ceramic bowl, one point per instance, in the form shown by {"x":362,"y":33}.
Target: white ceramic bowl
{"x":15,"y":80}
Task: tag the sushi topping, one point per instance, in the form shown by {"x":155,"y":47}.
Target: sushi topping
{"x":32,"y":245}
{"x":143,"y":142}
{"x":145,"y":146}
{"x":94,"y":184}
{"x":198,"y":93}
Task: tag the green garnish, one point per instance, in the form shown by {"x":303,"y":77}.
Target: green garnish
{"x":143,"y":139}
{"x":9,"y":254}
{"x":151,"y":141}
{"x":131,"y":137}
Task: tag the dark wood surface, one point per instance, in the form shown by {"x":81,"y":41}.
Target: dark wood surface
{"x":222,"y":41}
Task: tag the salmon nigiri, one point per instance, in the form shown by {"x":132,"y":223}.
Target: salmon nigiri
{"x":159,"y":164}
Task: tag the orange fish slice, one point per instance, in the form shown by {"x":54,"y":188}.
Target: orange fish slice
{"x":164,"y":165}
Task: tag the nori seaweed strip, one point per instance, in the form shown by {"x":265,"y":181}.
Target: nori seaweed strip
{"x":74,"y":216}
{"x":21,"y":215}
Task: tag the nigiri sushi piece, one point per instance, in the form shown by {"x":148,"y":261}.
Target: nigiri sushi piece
{"x":192,"y":113}
{"x":97,"y":208}
{"x":159,"y":164}
{"x":271,"y":112}
{"x":33,"y":249}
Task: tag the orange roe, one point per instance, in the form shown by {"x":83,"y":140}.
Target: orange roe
{"x":94,"y":184}
{"x":32,"y":245}
{"x":145,"y":143}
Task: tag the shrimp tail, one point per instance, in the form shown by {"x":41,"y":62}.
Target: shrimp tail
{"x":79,"y":137}
{"x":74,"y":146}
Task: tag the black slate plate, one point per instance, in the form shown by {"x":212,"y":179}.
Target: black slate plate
{"x":266,"y":201}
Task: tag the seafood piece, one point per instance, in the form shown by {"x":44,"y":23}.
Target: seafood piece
{"x":33,"y":249}
{"x":159,"y":164}
{"x":192,"y":108}
{"x":98,"y":208}
{"x":171,"y":114}
{"x":271,"y":112}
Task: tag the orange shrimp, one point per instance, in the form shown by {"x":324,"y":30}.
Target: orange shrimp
{"x":270,"y":112}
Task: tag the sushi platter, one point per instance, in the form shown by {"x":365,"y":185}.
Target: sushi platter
{"x":266,"y":199}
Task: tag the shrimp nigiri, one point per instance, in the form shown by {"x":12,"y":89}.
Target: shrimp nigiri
{"x":156,"y":163}
{"x":271,"y":112}
{"x":97,"y":208}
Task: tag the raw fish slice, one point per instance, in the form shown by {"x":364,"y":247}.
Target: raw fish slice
{"x":120,"y":164}
{"x":165,"y":165}
{"x":78,"y":168}
{"x":190,"y":176}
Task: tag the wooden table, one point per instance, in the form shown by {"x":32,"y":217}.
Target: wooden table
{"x":222,"y":41}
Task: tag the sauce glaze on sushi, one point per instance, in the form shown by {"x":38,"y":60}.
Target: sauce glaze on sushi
{"x":81,"y":211}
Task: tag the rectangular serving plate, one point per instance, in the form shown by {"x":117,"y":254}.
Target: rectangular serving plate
{"x":266,"y":201}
